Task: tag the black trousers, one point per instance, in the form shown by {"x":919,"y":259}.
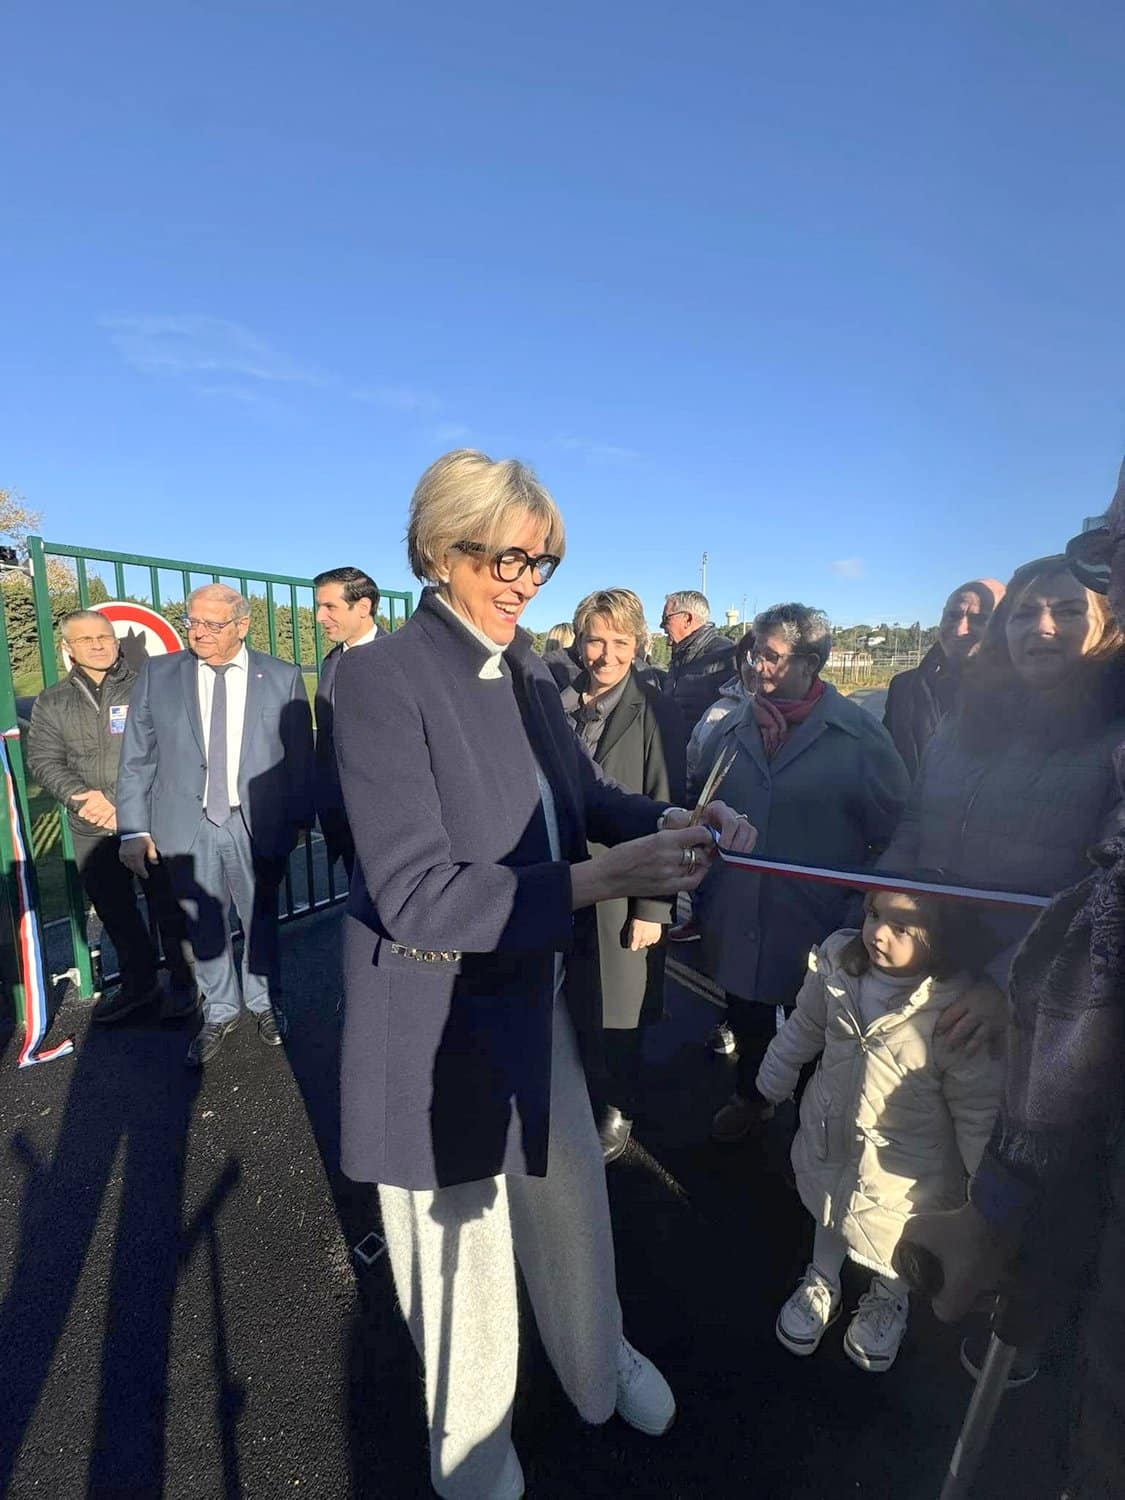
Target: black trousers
{"x":623,"y":1068}
{"x":754,"y":1025}
{"x":112,"y":892}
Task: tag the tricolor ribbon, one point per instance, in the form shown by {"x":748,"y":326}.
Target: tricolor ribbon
{"x":29,"y":933}
{"x":876,"y":882}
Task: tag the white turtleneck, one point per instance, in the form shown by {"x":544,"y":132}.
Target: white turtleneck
{"x":491,"y":668}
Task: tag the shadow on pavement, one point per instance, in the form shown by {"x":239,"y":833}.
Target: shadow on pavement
{"x":125,"y":1121}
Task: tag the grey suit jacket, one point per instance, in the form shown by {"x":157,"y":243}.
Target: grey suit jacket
{"x":163,"y":766}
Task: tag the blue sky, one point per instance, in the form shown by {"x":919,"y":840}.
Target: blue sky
{"x":833,"y":292}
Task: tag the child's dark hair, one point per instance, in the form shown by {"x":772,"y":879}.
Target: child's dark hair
{"x":948,"y":932}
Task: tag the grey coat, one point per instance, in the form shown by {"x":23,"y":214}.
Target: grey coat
{"x":642,"y":750}
{"x":831,"y":796}
{"x":1017,"y":818}
{"x":163,"y":768}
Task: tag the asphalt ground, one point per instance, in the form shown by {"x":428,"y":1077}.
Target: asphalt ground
{"x":182,"y":1316}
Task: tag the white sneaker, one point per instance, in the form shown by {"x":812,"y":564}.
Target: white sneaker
{"x":644,"y":1398}
{"x":875,"y":1333}
{"x":510,"y":1484}
{"x":812,"y":1309}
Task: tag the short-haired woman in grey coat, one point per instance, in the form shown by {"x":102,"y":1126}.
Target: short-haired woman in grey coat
{"x":822,"y":782}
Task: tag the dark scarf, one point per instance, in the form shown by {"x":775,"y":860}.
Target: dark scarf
{"x":777,"y":717}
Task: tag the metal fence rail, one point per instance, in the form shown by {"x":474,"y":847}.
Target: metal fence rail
{"x":65,"y":577}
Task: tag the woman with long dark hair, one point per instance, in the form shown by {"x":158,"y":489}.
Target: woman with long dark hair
{"x":1018,"y":783}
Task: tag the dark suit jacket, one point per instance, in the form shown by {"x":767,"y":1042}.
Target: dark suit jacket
{"x":329,"y":799}
{"x":446,"y":1066}
{"x":163,"y":769}
{"x":917,"y":701}
{"x":644,"y":749}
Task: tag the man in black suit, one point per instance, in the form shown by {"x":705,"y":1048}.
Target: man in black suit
{"x":346,"y":603}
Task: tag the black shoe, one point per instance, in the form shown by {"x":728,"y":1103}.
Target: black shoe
{"x":271,"y":1028}
{"x":974,"y":1347}
{"x":614,"y":1133}
{"x":120,"y":1002}
{"x":208,"y":1041}
{"x":182,"y":999}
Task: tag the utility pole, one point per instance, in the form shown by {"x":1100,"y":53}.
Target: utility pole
{"x":703,"y":573}
{"x":744,"y":609}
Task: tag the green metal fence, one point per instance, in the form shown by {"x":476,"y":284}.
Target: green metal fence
{"x":63,"y":578}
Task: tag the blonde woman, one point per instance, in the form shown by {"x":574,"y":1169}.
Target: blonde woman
{"x":636,"y":735}
{"x":473,"y":1006}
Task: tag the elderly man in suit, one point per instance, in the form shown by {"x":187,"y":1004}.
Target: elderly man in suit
{"x":216,"y":779}
{"x":346,"y":603}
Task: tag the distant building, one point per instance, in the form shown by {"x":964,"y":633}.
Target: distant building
{"x":734,"y":617}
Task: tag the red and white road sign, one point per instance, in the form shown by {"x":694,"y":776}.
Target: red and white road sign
{"x":141,"y":630}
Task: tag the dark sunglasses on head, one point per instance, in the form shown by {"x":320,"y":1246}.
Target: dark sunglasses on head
{"x":1089,"y":556}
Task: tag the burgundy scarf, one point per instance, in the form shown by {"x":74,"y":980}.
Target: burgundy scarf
{"x":776,"y":717}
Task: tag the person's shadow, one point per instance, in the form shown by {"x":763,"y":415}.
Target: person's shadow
{"x":127,"y":1111}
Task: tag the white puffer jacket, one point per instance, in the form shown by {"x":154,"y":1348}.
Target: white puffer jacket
{"x":893,"y":1120}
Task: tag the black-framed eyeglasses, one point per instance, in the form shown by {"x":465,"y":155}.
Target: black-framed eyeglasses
{"x":1089,"y":556}
{"x":513,"y":562}
{"x":671,"y":615}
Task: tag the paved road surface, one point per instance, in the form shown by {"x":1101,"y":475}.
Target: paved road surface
{"x":874,"y":700}
{"x":182,"y":1319}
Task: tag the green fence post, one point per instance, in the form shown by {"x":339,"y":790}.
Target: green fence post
{"x":10,"y":975}
{"x":82,"y":972}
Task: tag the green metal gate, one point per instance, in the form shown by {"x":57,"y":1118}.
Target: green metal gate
{"x":63,"y":578}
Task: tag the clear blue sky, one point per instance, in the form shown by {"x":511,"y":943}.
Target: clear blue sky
{"x":832,"y":291}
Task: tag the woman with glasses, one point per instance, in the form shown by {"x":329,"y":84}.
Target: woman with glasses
{"x":474,"y":1009}
{"x":824,"y":783}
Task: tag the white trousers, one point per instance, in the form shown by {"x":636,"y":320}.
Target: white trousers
{"x":453,"y":1254}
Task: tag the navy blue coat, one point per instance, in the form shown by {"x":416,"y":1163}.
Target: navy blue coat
{"x":446,"y":1066}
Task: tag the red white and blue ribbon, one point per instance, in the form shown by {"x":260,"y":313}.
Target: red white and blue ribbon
{"x":29,"y":934}
{"x":866,"y":881}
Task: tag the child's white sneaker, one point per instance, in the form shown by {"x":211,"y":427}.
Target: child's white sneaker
{"x":876,"y":1332}
{"x":813,"y":1307}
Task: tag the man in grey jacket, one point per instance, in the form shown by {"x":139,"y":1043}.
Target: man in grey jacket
{"x":73,"y":750}
{"x":216,"y":779}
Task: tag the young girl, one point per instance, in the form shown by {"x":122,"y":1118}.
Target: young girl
{"x":893,"y":1120}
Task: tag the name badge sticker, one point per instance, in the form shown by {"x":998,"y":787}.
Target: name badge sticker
{"x":118,"y":712}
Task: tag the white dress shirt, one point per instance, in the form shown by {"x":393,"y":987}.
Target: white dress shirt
{"x":365,"y":639}
{"x":236,"y":715}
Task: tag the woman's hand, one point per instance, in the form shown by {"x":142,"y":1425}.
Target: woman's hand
{"x":659,"y":865}
{"x":735,"y":830}
{"x":979,"y":1018}
{"x":639,"y":934}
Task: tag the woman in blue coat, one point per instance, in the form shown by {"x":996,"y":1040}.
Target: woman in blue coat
{"x":471,"y":968}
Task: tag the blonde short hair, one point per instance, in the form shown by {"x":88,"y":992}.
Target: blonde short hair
{"x":621,"y":607}
{"x":560,"y":635}
{"x":465,"y":496}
